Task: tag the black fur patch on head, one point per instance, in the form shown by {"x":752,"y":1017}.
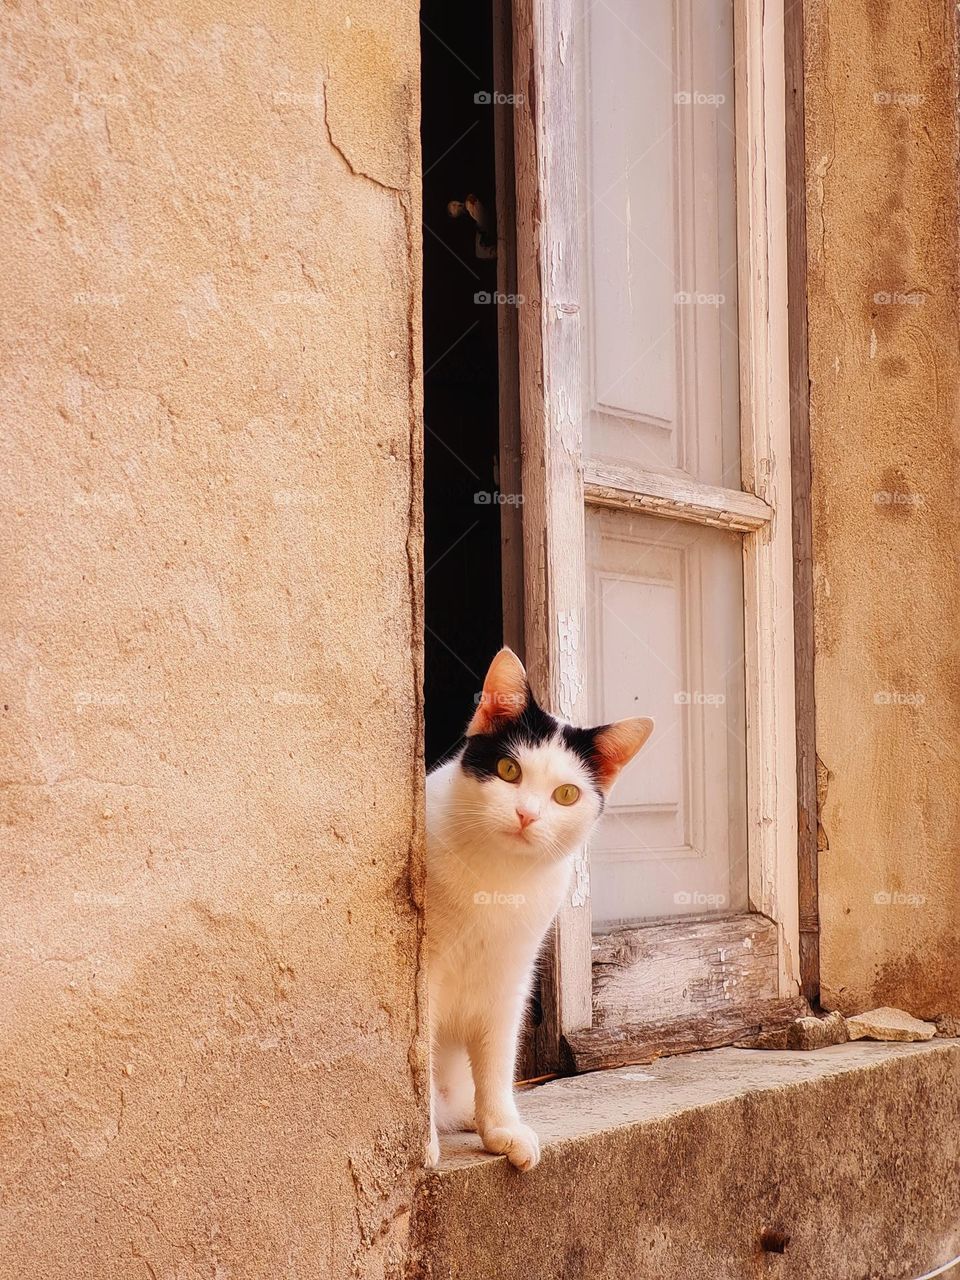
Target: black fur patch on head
{"x":583,"y":743}
{"x":532,"y":728}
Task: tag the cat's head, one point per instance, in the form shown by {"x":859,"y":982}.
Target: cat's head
{"x":531,"y":780}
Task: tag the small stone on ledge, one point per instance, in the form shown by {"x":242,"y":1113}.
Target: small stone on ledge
{"x":889,"y":1024}
{"x":804,"y":1033}
{"x":817,"y":1033}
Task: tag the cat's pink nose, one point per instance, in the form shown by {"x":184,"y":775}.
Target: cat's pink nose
{"x":525,"y":818}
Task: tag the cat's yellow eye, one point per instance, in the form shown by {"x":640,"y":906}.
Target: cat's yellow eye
{"x":567,"y":794}
{"x":508,"y":769}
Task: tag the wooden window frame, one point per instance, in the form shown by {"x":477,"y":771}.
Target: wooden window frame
{"x":600,"y":996}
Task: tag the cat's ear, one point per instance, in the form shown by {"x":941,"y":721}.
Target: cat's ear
{"x":616,"y":744}
{"x":505,"y":694}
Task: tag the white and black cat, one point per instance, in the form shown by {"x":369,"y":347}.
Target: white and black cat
{"x":506,"y":816}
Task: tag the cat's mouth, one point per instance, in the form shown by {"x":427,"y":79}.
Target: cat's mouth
{"x":522,"y":834}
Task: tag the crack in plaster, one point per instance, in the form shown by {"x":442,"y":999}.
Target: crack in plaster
{"x":354,"y":169}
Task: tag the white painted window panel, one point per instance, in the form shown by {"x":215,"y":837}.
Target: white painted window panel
{"x":658,"y":218}
{"x":665,"y":610}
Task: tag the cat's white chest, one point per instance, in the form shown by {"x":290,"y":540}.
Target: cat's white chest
{"x":484,"y":933}
{"x":489,"y":905}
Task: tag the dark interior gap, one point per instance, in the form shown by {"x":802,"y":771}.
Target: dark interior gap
{"x":464,"y":616}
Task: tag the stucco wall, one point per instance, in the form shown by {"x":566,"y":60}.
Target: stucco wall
{"x":885,"y":367}
{"x":210,"y":229}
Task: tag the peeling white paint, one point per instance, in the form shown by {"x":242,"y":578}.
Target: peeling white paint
{"x":580,"y":890}
{"x":569,"y":674}
{"x":564,"y":415}
{"x":556,"y":259}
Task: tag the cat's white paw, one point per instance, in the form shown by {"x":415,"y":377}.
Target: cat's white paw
{"x":431,"y":1155}
{"x":516,"y":1141}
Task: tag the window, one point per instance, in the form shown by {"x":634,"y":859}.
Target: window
{"x":658,"y":576}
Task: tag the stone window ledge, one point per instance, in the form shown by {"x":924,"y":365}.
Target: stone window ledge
{"x":699,"y":1166}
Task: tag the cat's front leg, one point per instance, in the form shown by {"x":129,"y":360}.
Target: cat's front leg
{"x":431,"y":1154}
{"x":431,"y":1157}
{"x":492,"y":1056}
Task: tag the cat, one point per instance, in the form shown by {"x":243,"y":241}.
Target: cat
{"x":506,"y":816}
